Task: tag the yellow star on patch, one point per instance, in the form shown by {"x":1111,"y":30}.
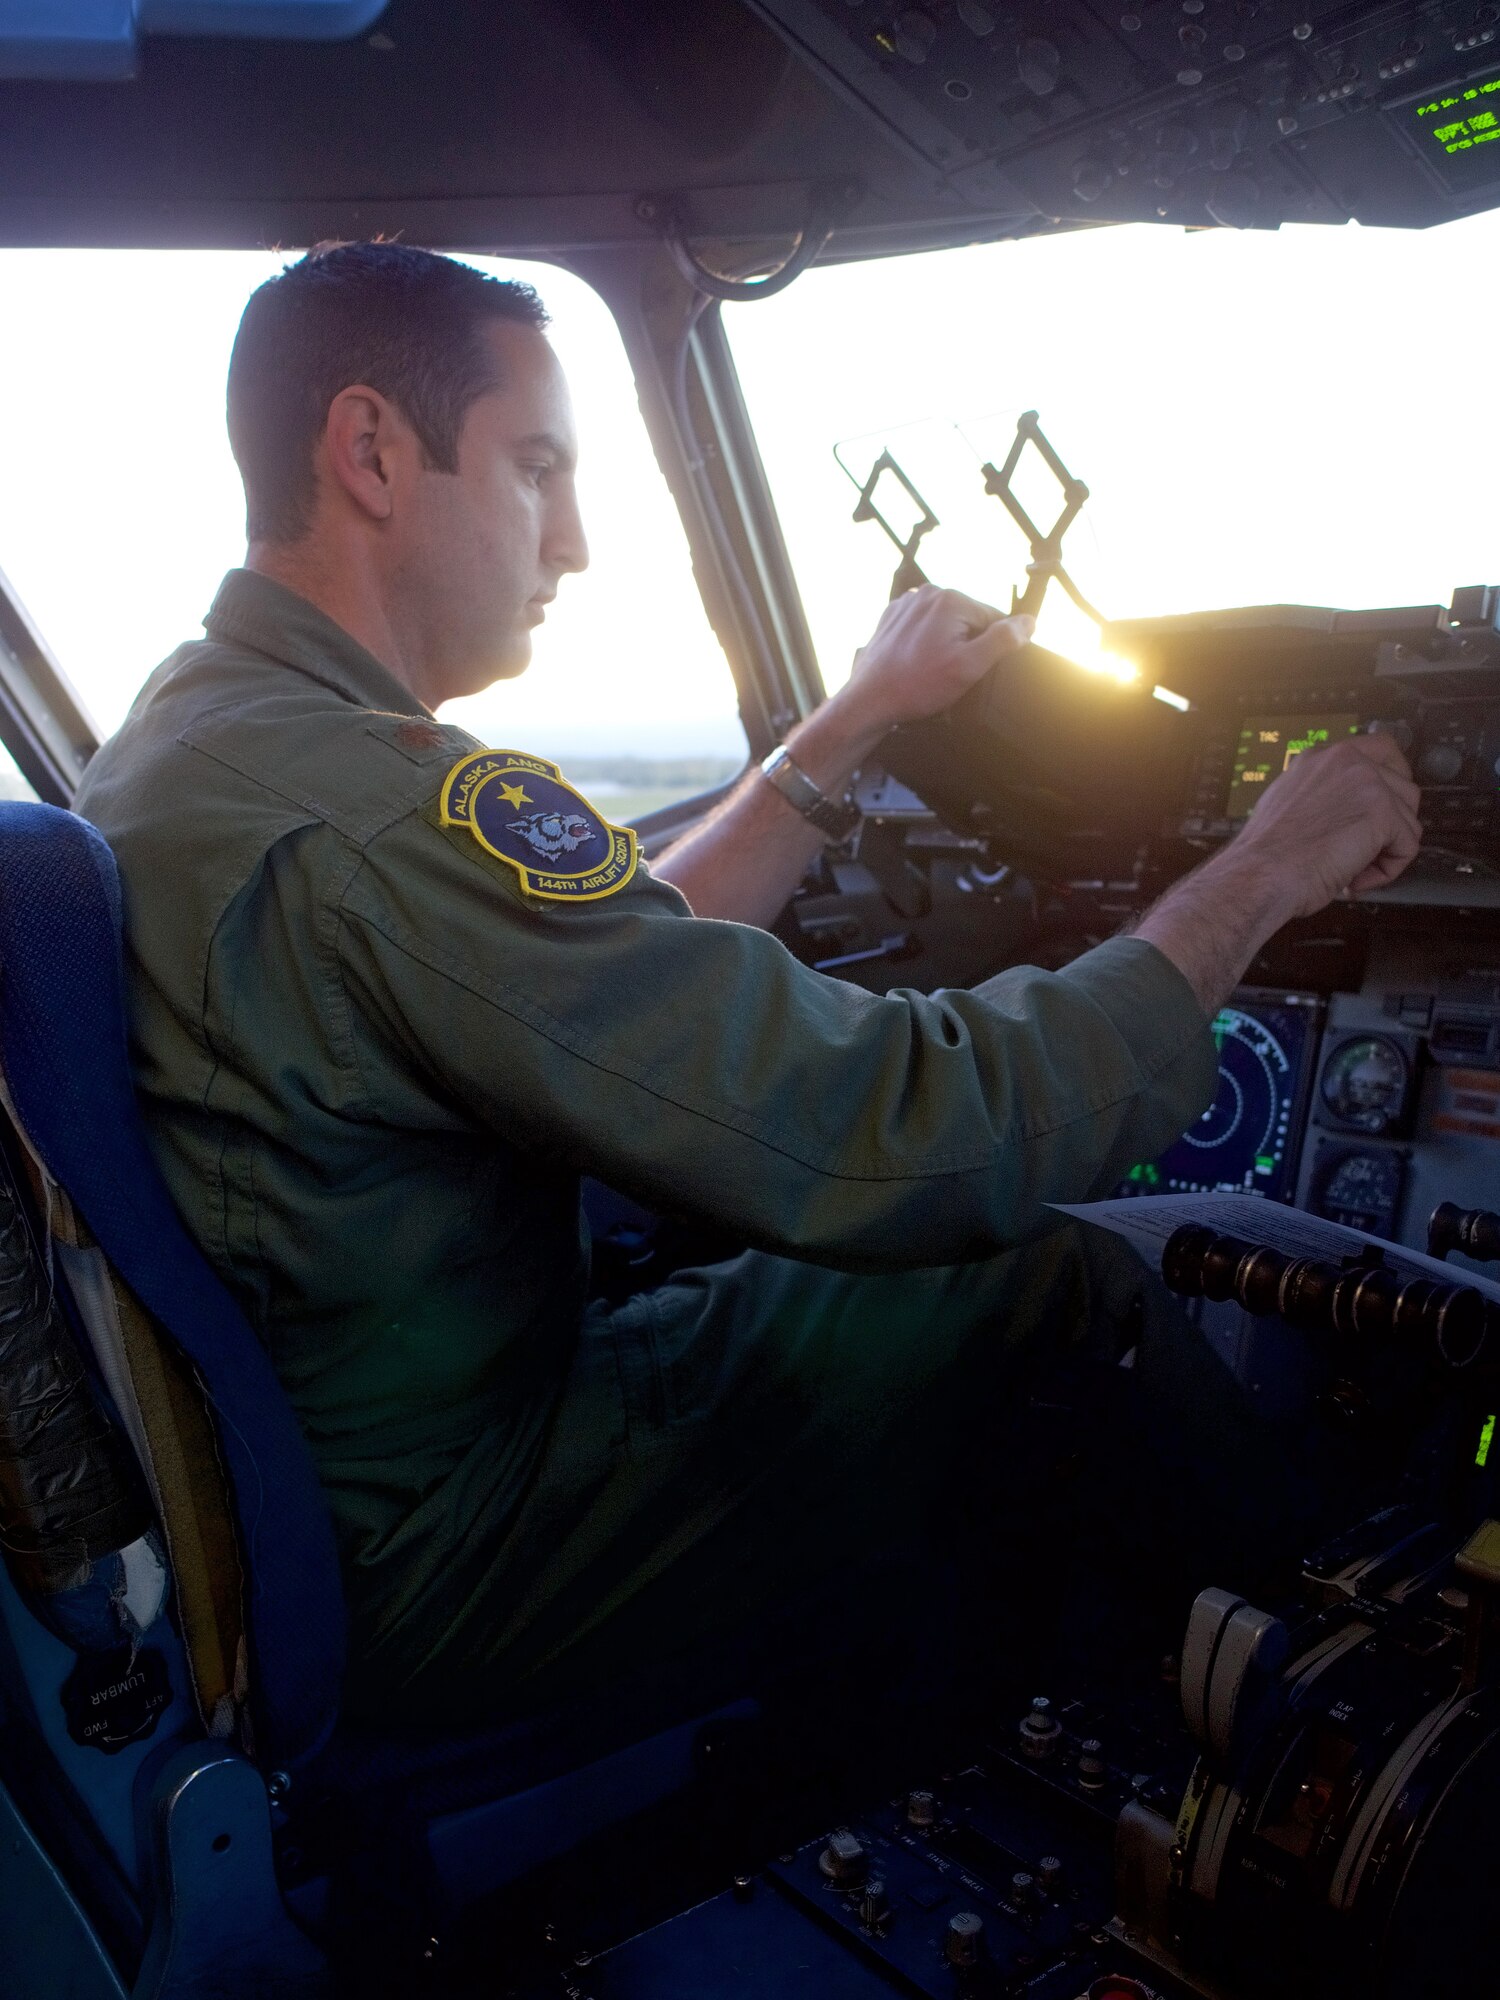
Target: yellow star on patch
{"x":514,"y":795}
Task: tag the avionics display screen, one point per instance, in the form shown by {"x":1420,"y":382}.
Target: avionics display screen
{"x":1268,"y":743}
{"x":1246,"y":1141}
{"x":1458,"y":130}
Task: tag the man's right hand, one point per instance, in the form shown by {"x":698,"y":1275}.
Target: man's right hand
{"x":1336,"y":820}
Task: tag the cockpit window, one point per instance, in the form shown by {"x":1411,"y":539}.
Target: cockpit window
{"x":13,"y":784}
{"x":1261,"y":417}
{"x":120,"y":508}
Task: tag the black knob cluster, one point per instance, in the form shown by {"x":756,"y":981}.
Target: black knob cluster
{"x":1452,"y":1325}
{"x":1474,"y":1231}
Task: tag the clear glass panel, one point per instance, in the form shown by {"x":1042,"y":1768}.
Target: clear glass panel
{"x":120,"y":509}
{"x":1298,"y":416}
{"x":12,"y":784}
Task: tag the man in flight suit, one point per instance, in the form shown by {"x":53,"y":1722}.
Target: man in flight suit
{"x":393,"y":991}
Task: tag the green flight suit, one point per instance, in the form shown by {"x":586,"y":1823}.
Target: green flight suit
{"x":374,"y":1067}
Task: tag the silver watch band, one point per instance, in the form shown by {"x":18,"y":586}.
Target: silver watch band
{"x":830,"y":817}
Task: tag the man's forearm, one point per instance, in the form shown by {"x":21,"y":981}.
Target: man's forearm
{"x":1213,"y":922}
{"x":745,"y":860}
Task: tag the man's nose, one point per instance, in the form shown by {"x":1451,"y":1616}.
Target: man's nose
{"x":565,"y":546}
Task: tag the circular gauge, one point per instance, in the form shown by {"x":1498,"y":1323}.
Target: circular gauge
{"x":1362,"y":1190}
{"x":1364,"y":1083}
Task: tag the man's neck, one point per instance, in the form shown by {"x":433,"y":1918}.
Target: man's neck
{"x":351,"y":599}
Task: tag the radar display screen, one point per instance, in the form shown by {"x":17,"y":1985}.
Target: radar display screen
{"x":1247,"y":1139}
{"x":1268,"y":743}
{"x":1458,"y":130}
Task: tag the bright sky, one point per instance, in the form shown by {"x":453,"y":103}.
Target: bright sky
{"x":1307,"y":415}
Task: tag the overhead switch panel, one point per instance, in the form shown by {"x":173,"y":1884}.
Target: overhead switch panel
{"x":1245,"y":113}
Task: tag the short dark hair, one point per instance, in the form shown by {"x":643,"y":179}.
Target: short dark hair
{"x":408,"y":322}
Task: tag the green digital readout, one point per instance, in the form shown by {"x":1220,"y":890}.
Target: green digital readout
{"x":1268,"y":743}
{"x":1458,"y":127}
{"x":1486,"y":1438}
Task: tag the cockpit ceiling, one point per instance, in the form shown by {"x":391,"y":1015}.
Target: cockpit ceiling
{"x":565,"y":123}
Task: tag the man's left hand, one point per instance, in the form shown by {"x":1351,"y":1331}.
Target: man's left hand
{"x":929,"y":648}
{"x":745,"y":860}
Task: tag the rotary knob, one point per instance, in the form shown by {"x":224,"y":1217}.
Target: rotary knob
{"x":844,"y":1861}
{"x":1040,"y":1731}
{"x":1440,"y":763}
{"x":1092,"y":1770}
{"x":965,"y":1939}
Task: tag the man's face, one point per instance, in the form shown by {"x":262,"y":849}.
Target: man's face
{"x":486,"y":548}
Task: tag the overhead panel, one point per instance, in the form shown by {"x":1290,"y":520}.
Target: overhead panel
{"x":570,"y":123}
{"x":1245,"y":113}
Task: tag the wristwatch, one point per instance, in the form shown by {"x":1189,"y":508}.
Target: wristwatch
{"x":836,"y":820}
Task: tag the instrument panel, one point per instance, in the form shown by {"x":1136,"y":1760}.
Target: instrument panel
{"x":1453,"y":748}
{"x":1367,"y":1087}
{"x":1328,"y":1103}
{"x":1266,"y":684}
{"x":1267,"y":744}
{"x":1247,"y":1141}
{"x":1247,"y":116}
{"x":1085,"y":778}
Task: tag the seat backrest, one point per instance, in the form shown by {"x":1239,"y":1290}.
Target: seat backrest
{"x":63,"y":1053}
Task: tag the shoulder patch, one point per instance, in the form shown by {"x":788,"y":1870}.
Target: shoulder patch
{"x":524,"y":812}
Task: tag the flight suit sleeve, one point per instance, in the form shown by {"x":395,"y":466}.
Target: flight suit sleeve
{"x":699,"y":1067}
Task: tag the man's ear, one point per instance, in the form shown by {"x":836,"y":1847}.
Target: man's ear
{"x":362,"y":446}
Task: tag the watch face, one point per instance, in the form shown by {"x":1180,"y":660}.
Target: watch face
{"x":835,"y":818}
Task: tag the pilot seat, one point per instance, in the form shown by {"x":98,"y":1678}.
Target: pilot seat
{"x":181,"y":1808}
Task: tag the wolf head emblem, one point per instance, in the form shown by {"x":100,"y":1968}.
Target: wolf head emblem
{"x":551,"y":834}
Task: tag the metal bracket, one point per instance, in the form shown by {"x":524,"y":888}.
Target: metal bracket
{"x":1046,"y":545}
{"x":219,"y":1925}
{"x":909,"y":572}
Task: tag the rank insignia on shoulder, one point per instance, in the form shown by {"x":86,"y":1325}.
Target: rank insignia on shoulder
{"x":524,"y":812}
